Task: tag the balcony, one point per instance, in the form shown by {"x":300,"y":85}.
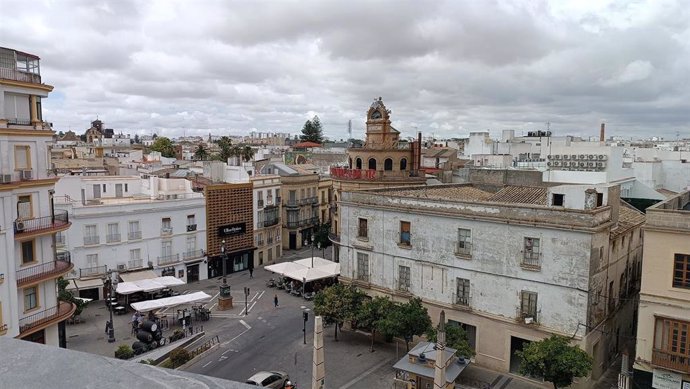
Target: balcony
{"x":354,"y":174}
{"x":292,"y":203}
{"x":271,"y":222}
{"x":168,"y":259}
{"x":191,"y":227}
{"x":260,"y":242}
{"x":194,"y":254}
{"x":112,"y":238}
{"x":531,"y":261}
{"x":46,"y":318}
{"x":677,"y":362}
{"x":166,"y":231}
{"x":18,"y":75}
{"x":45,"y":271}
{"x":134,"y":235}
{"x":92,"y":240}
{"x":41,"y":225}
{"x":260,"y":203}
{"x":93,"y":272}
{"x":334,"y":238}
{"x":309,"y":200}
{"x":135,"y":263}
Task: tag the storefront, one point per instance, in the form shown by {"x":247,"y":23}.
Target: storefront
{"x":234,"y":262}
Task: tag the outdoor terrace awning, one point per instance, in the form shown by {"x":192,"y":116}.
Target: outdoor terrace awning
{"x":85,"y":284}
{"x":301,"y":269}
{"x":147,"y":285}
{"x":138,"y":275}
{"x":152,"y":305}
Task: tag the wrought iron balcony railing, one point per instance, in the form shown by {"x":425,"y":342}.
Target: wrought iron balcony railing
{"x":168,"y":259}
{"x":95,"y":271}
{"x":44,"y":271}
{"x":55,"y":314}
{"x":134,"y":235}
{"x":48,"y":224}
{"x":194,"y":254}
{"x":677,"y":362}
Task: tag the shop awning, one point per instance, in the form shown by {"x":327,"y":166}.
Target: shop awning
{"x":318,"y":262}
{"x":301,"y":269}
{"x":309,"y":274}
{"x":147,"y":285}
{"x":85,"y":284}
{"x":152,"y":305}
{"x":284,"y":267}
{"x":138,"y":275}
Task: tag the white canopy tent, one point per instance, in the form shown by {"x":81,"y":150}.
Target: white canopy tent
{"x":284,"y":267}
{"x":301,"y":270}
{"x":147,"y":285}
{"x":318,"y":262}
{"x":151,"y":305}
{"x":308,"y":275}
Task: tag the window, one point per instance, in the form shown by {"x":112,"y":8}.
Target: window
{"x":557,"y":199}
{"x":166,"y":225}
{"x":612,"y":300}
{"x":30,"y":298}
{"x":113,"y":233}
{"x":270,"y":253}
{"x":24,"y":208}
{"x":404,"y":278}
{"x":104,"y":188}
{"x":681,"y":271}
{"x":372,"y":164}
{"x":292,"y":197}
{"x":462,"y":292}
{"x":363,"y":267}
{"x":191,"y":243}
{"x":260,"y":197}
{"x":134,"y":231}
{"x":388,"y":164}
{"x":600,"y":199}
{"x":91,"y":234}
{"x":672,"y":337}
{"x":28,"y":252}
{"x":166,"y":248}
{"x":403,"y":164}
{"x":358,"y":163}
{"x":363,"y":231}
{"x":464,"y":241}
{"x":269,"y":196}
{"x":405,"y":233}
{"x":191,"y":223}
{"x":528,"y":304}
{"x":126,"y":188}
{"x":135,"y":258}
{"x":301,"y":194}
{"x":22,"y":157}
{"x":531,"y":253}
{"x":92,"y":260}
{"x":261,"y":257}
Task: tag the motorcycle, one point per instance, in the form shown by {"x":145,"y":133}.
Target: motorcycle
{"x":271,"y":283}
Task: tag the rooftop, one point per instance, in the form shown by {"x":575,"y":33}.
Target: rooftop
{"x":465,"y":192}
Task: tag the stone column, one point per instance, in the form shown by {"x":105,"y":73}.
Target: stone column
{"x":440,"y":363}
{"x":319,"y":369}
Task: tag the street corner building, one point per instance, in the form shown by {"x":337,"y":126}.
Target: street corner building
{"x":230,"y":228}
{"x":510,"y":264}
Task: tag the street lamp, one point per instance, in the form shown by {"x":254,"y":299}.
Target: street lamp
{"x":311,"y":243}
{"x":225,"y":259}
{"x":110,"y":329}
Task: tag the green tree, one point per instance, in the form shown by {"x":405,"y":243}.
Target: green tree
{"x":456,"y":338}
{"x":67,"y":296}
{"x":411,"y":319}
{"x":247,"y":153}
{"x":201,"y":153}
{"x":225,"y":145}
{"x":164,"y":146}
{"x":312,"y":131}
{"x":555,"y":360}
{"x":337,"y":304}
{"x":136,"y":139}
{"x":321,"y":232}
{"x":375,"y":314}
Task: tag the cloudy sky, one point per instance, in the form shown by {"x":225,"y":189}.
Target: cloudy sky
{"x":443,"y":68}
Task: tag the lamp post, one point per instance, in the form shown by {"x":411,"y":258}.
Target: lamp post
{"x":109,"y":327}
{"x":224,"y":259}
{"x":310,"y":242}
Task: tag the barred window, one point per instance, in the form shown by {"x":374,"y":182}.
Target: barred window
{"x":363,"y":267}
{"x":363,"y":231}
{"x":462,"y":293}
{"x":528,"y":304}
{"x":403,"y":278}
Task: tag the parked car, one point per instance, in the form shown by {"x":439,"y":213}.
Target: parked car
{"x":269,"y":379}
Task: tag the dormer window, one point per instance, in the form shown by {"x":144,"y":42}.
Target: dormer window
{"x":376,"y":114}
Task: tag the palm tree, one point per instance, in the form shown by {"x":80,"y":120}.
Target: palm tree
{"x":247,"y":153}
{"x":201,"y":153}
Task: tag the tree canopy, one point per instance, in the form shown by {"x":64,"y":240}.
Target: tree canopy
{"x":321,"y":232}
{"x":411,"y":319}
{"x":164,"y":146}
{"x":338,"y":303}
{"x":555,"y":360}
{"x":201,"y":153}
{"x":456,"y":338}
{"x":375,"y":314}
{"x":312,"y":131}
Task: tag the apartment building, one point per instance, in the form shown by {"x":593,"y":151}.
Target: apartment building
{"x":267,"y":209}
{"x":300,"y":201}
{"x":662,"y":358}
{"x":325,"y":198}
{"x":125,"y":223}
{"x":511,"y":264}
{"x":29,"y":264}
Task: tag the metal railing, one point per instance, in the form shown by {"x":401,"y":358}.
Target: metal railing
{"x":523,"y":314}
{"x":465,"y":249}
{"x":531,"y":260}
{"x":91,"y":240}
{"x":135,"y":263}
{"x":260,"y":203}
{"x":334,"y":237}
{"x":677,"y":362}
{"x":60,"y":218}
{"x":260,"y":242}
{"x":191,"y":227}
{"x":193,"y":254}
{"x":166,"y":231}
{"x":17,"y":75}
{"x":60,"y":265}
{"x":19,"y":122}
{"x":134,"y":235}
{"x":292,"y":224}
{"x":168,"y":259}
{"x":271,"y":222}
{"x":463,"y":299}
{"x":309,"y":200}
{"x":37,"y":319}
{"x":292,"y":203}
{"x":95,"y":271}
{"x":112,"y":238}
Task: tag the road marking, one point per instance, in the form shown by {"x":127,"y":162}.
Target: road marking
{"x":213,"y":306}
{"x":366,"y":373}
{"x":247,"y":326}
{"x":252,"y":306}
{"x":233,"y":339}
{"x":256,"y":294}
{"x":262,"y":293}
{"x":222,"y":357}
{"x":206,"y":364}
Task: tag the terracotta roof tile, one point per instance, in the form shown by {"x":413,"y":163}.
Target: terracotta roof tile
{"x":628,"y":217}
{"x":521,"y":195}
{"x":443,"y":192}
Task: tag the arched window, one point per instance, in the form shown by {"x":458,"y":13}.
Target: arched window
{"x":403,"y":164}
{"x":372,"y":163}
{"x":358,"y":163}
{"x":349,"y":162}
{"x":388,"y":164}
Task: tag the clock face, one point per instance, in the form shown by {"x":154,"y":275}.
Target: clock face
{"x":376,"y":115}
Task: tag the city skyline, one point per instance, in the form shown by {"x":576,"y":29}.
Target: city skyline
{"x":443,"y":68}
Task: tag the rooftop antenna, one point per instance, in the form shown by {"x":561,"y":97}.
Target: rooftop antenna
{"x":548,"y":126}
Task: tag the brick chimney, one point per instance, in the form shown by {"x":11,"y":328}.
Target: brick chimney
{"x":602,"y":133}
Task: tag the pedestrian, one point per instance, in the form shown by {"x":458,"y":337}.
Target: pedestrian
{"x":251,"y":272}
{"x":275,"y":300}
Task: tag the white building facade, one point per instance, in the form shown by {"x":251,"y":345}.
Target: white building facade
{"x":29,"y":265}
{"x":268,"y":226}
{"x":123,"y":224}
{"x":511,"y":266}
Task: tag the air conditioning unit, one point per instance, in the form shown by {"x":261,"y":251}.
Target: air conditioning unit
{"x":5,"y":178}
{"x":19,"y":226}
{"x":529,"y":320}
{"x":557,"y":163}
{"x":121,"y":267}
{"x":590,"y":164}
{"x":551,"y":156}
{"x":574,"y":156}
{"x":582,"y":164}
{"x":566,"y":156}
{"x":25,"y":175}
{"x":583,"y":157}
{"x":592,"y":157}
{"x":602,"y":157}
{"x":549,"y":163}
{"x":601,"y":164}
{"x":557,"y":156}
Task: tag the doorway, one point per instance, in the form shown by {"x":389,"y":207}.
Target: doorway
{"x":118,"y":190}
{"x":293,"y":241}
{"x":192,"y":273}
{"x":516,"y":344}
